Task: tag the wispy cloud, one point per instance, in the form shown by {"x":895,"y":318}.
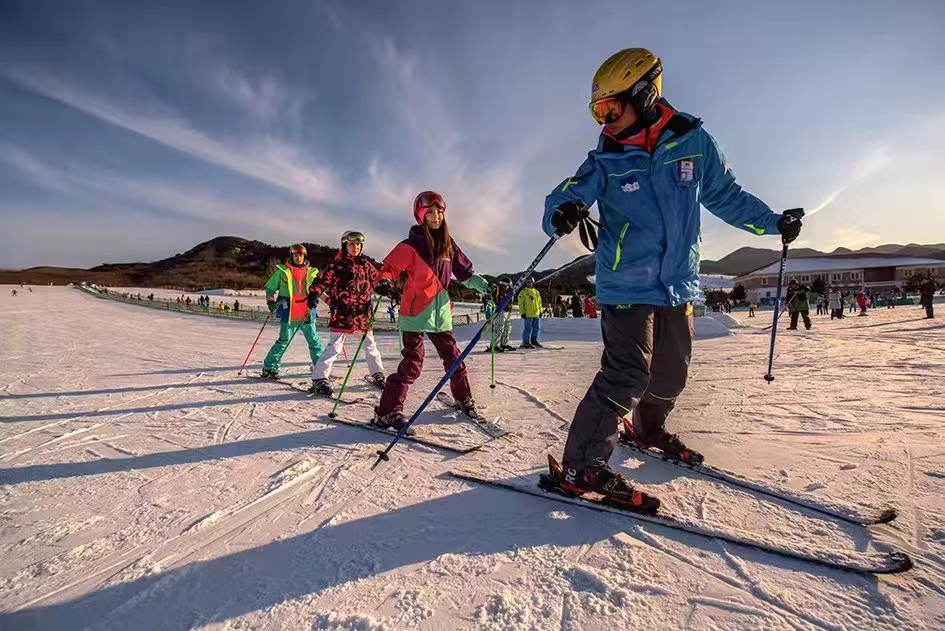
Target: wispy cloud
{"x":263,"y":158}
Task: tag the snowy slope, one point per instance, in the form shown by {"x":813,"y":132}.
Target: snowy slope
{"x":143,"y":485}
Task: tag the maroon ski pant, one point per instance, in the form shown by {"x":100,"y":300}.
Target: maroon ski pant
{"x":395,"y":392}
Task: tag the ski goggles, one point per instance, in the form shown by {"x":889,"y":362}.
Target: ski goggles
{"x":607,"y":110}
{"x":430,"y":199}
{"x":352,"y":237}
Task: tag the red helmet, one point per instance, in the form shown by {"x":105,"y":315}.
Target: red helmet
{"x":424,"y":201}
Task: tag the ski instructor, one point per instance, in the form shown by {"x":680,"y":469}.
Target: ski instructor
{"x":652,"y":169}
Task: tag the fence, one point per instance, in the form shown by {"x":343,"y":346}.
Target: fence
{"x":250,"y":313}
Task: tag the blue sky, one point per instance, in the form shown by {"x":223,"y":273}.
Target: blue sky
{"x":130,"y":130}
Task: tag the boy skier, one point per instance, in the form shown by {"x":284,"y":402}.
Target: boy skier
{"x":798,"y":304}
{"x":652,"y":169}
{"x":291,"y":282}
{"x":348,"y":284}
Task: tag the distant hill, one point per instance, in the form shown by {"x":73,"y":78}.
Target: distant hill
{"x":744,"y":260}
{"x":223,"y":262}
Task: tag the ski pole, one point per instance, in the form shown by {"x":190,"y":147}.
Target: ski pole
{"x":798,"y":213}
{"x":354,"y":359}
{"x":265,"y":322}
{"x":492,"y":329}
{"x":383,"y":455}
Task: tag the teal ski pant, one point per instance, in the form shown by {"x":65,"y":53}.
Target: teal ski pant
{"x":286,"y":331}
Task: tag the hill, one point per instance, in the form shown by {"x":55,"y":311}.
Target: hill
{"x":222,"y":262}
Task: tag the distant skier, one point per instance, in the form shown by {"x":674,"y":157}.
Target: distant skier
{"x":576,"y":306}
{"x":503,"y":320}
{"x":590,"y":307}
{"x":927,"y":296}
{"x":798,"y":304}
{"x":14,"y":293}
{"x":291,"y":283}
{"x":430,"y":258}
{"x":347,"y":285}
{"x":652,"y":169}
{"x":835,"y":304}
{"x":862,"y":302}
{"x":529,"y":306}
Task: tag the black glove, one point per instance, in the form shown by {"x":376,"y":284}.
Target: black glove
{"x":789,"y":225}
{"x":273,"y":305}
{"x":567,"y":217}
{"x":312,"y":301}
{"x":385,"y":288}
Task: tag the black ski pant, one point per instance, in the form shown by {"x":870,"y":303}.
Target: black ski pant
{"x":929,"y":309}
{"x":643,"y":368}
{"x":806,"y":314}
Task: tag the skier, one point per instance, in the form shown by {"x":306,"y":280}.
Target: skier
{"x":798,"y":304}
{"x":652,"y":169}
{"x":529,"y":305}
{"x":590,"y":307}
{"x":291,"y":282}
{"x":430,"y":258}
{"x":835,"y":304}
{"x":927,"y":296}
{"x":576,"y":311}
{"x":14,"y":293}
{"x":503,"y":321}
{"x":348,"y":286}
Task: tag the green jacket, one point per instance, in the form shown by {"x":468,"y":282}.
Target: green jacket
{"x":529,"y":303}
{"x":797,"y":300}
{"x":281,"y":283}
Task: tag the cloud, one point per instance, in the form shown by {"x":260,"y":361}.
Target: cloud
{"x":484,"y":202}
{"x":264,"y":158}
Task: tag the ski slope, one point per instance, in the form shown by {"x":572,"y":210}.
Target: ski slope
{"x":144,"y":485}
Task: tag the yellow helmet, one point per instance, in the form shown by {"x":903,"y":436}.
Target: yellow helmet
{"x":634,"y":72}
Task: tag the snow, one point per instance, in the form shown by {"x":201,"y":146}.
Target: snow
{"x":144,"y":485}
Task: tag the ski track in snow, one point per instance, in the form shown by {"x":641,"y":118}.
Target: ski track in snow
{"x":145,"y":485}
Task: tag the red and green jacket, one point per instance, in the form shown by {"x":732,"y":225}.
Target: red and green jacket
{"x":292,"y":283}
{"x":426,"y":306}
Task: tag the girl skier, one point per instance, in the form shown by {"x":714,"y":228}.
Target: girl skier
{"x":347,"y":285}
{"x":430,"y":257}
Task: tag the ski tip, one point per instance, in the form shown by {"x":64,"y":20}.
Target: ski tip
{"x":900,"y":562}
{"x":886,"y":516}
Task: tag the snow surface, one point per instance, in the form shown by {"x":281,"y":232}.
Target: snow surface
{"x":143,"y":485}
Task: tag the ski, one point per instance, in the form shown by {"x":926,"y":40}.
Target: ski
{"x":844,"y":513}
{"x":303,"y":386}
{"x":368,"y":379}
{"x":488,"y":427}
{"x":541,"y":486}
{"x":412,"y":437}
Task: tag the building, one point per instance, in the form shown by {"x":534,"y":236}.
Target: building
{"x":874,"y":273}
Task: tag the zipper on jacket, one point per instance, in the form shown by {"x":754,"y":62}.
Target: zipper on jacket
{"x":623,"y":233}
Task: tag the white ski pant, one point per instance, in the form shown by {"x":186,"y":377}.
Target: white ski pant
{"x":322,"y":369}
{"x":503,"y":327}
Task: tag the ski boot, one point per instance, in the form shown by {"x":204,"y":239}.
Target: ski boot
{"x":507,"y":347}
{"x":321,"y":387}
{"x":600,"y":485}
{"x":393,"y":420}
{"x":670,"y":445}
{"x":468,"y":407}
{"x":526,"y":346}
{"x":269,"y":374}
{"x":536,"y":344}
{"x":378,"y":380}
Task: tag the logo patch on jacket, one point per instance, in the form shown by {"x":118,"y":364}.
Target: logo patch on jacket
{"x":687,"y":170}
{"x":630,"y":186}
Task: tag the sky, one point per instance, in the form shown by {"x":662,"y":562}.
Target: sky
{"x":132,"y":130}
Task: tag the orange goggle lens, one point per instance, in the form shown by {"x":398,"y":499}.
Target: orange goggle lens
{"x":606,"y":110}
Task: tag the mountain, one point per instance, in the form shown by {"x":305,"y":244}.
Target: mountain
{"x":222,"y":262}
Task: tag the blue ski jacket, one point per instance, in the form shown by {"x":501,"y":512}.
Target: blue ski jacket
{"x":648,"y":251}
